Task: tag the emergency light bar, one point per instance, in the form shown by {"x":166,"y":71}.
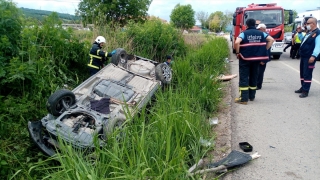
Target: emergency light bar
{"x":268,"y":5}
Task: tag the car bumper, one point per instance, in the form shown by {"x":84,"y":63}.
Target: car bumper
{"x":35,"y":131}
{"x":277,"y":48}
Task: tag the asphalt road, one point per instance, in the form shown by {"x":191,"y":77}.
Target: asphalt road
{"x":282,"y":127}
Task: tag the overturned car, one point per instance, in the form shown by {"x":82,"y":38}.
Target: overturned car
{"x":100,"y":104}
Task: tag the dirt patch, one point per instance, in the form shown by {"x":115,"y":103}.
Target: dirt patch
{"x":223,"y":130}
{"x":223,"y":134}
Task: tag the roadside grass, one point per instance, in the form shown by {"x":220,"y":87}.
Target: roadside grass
{"x":163,"y":141}
{"x":160,"y":143}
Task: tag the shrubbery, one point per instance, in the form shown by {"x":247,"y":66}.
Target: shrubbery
{"x":155,"y":39}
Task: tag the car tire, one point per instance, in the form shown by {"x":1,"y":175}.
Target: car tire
{"x":60,"y":101}
{"x":163,"y":73}
{"x":111,"y":126}
{"x":120,"y":57}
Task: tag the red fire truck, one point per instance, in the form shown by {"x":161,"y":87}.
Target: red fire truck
{"x":269,"y":14}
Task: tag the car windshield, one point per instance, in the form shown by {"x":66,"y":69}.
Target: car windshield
{"x":271,"y":18}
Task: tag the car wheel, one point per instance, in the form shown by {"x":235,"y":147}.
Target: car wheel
{"x":120,"y":57}
{"x":163,"y":73}
{"x":111,"y":126}
{"x":60,"y":101}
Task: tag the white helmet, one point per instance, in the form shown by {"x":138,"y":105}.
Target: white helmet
{"x":100,"y":39}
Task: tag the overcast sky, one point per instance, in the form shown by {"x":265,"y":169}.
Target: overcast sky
{"x":163,"y":8}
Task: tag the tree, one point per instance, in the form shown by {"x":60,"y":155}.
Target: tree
{"x":214,"y":23}
{"x":116,"y":11}
{"x":203,"y":18}
{"x":218,"y":21}
{"x":182,"y":16}
{"x":10,"y":29}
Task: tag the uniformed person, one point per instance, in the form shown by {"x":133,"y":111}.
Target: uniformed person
{"x":296,"y":42}
{"x":263,"y":64}
{"x":97,"y":57}
{"x":251,"y":48}
{"x":309,"y":52}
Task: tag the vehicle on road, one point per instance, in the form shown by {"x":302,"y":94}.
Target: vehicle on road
{"x":288,"y":37}
{"x":94,"y":109}
{"x":303,"y":17}
{"x":269,"y":14}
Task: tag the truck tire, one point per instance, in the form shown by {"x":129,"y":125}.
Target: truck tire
{"x":60,"y":101}
{"x":163,"y":73}
{"x":120,"y":57}
{"x":276,"y":56}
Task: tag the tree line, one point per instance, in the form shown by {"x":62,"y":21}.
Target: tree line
{"x":40,"y":15}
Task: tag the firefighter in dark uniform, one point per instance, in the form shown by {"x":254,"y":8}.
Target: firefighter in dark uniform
{"x":309,"y":53}
{"x":97,"y":57}
{"x":251,"y":48}
{"x":263,"y":64}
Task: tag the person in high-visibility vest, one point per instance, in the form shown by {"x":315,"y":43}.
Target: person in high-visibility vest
{"x":296,"y":42}
{"x":97,"y":57}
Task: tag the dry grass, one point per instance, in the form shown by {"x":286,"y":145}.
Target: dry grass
{"x":195,"y":39}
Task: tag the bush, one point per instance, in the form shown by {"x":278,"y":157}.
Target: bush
{"x":155,"y":39}
{"x":10,"y":28}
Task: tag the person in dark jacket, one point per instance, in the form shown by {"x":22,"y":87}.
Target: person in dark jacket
{"x":251,"y":48}
{"x":97,"y":57}
{"x":169,"y":60}
{"x":263,"y":64}
{"x":309,"y":53}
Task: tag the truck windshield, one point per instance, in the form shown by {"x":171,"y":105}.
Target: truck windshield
{"x":271,"y":18}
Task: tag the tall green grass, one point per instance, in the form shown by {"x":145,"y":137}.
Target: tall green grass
{"x":163,"y":141}
{"x":160,"y":143}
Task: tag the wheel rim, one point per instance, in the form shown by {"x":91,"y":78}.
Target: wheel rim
{"x":122,"y":59}
{"x":64,"y":103}
{"x":167,"y":73}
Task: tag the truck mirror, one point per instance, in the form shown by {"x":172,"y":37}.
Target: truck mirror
{"x":290,"y":17}
{"x":290,"y":13}
{"x":234,"y":21}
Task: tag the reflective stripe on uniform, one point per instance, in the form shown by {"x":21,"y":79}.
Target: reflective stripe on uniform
{"x":253,"y":88}
{"x":93,"y":66}
{"x":254,"y":58}
{"x":243,"y":88}
{"x":91,"y":59}
{"x":98,"y":57}
{"x":254,"y":44}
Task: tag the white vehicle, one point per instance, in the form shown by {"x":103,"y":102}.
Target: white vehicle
{"x":100,"y":104}
{"x":302,"y":18}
